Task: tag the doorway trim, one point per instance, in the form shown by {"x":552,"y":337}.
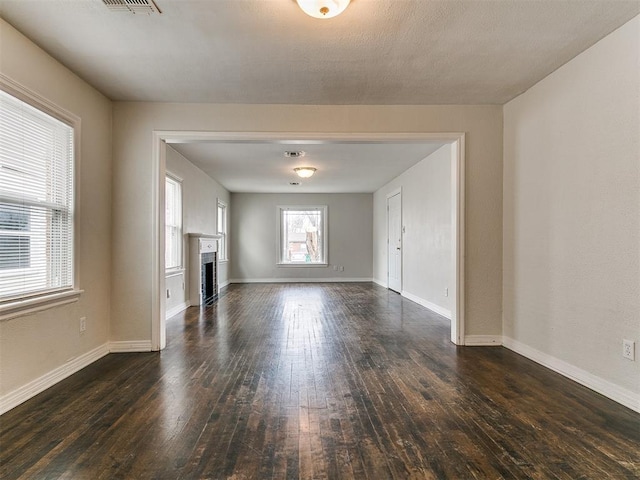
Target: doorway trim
{"x":393,"y":193}
{"x":161,"y":137}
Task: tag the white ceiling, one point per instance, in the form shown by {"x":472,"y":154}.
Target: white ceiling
{"x":343,"y":167}
{"x":268,"y":51}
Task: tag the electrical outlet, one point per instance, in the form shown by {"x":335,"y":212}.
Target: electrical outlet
{"x":335,"y":268}
{"x":83,"y":324}
{"x":628,"y":349}
{"x":341,"y":268}
{"x":446,"y":292}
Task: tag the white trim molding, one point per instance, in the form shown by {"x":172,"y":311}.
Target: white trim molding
{"x":28,"y":306}
{"x":40,"y":384}
{"x":427,"y":304}
{"x":177,"y":309}
{"x":610,"y":390}
{"x":130,"y":346}
{"x":382,"y":283}
{"x":483,"y":340}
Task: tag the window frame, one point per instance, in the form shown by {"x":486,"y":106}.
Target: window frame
{"x":325,"y":236}
{"x":223,"y":247}
{"x":170,"y":177}
{"x":32,"y":302}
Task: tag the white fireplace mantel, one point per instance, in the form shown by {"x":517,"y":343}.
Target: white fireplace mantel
{"x":199,"y":244}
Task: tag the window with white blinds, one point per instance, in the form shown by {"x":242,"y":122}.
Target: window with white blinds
{"x":173,"y":224}
{"x":36,"y":201}
{"x":222,"y":230}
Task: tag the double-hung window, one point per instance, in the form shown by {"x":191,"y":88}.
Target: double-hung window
{"x":36,"y":200}
{"x":303,"y":235}
{"x":222,"y":230}
{"x":173,"y":223}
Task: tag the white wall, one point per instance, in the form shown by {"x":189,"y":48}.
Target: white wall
{"x":254,"y":228}
{"x":200,"y":194}
{"x":133,"y":233}
{"x":33,"y":346}
{"x":427,"y":256}
{"x":572,"y":215}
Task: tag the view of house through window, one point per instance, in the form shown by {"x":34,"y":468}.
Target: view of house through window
{"x":36,"y":200}
{"x":173,"y":224}
{"x":222,"y":230}
{"x":303,"y":235}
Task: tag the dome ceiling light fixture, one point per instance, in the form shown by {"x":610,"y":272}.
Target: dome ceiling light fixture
{"x":323,"y":8}
{"x":305,"y":172}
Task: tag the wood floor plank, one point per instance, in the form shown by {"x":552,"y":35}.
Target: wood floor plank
{"x":317,"y":381}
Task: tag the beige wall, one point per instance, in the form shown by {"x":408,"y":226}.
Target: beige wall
{"x":427,"y":256}
{"x":200,"y":194}
{"x":133,"y":126}
{"x":254,"y":228}
{"x":34,"y":345}
{"x":571,"y":202}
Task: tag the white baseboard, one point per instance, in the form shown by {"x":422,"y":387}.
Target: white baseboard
{"x":482,"y":340}
{"x":380,"y":282}
{"x":427,"y":304}
{"x":31,"y":389}
{"x":298,"y":280}
{"x":130,"y":346}
{"x":604,"y":387}
{"x":223,"y":284}
{"x":177,"y":309}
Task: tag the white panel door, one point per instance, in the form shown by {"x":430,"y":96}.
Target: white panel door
{"x":394,"y":230}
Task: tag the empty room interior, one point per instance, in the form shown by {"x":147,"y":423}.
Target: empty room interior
{"x":251,"y":239}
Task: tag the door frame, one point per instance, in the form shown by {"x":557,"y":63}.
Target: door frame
{"x":161,"y":137}
{"x":397,"y":191}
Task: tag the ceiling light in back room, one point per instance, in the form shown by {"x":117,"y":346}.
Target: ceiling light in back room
{"x":305,"y":172}
{"x":323,"y":8}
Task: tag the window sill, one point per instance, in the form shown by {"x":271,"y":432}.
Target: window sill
{"x":303,"y":265}
{"x":27,"y":306}
{"x":174,"y":272}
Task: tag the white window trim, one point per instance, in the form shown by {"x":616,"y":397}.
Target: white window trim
{"x":29,"y":304}
{"x":225,"y":235}
{"x":175,"y":272}
{"x":325,"y":234}
{"x":178,"y":268}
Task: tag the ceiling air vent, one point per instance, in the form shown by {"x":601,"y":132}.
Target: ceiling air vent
{"x":133,"y":6}
{"x":294,"y":154}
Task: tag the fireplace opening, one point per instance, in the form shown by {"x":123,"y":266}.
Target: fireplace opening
{"x":209,"y":278}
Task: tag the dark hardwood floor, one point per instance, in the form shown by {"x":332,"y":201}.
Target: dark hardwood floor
{"x":317,"y":381}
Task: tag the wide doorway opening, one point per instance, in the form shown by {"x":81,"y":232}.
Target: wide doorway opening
{"x":455,"y":141}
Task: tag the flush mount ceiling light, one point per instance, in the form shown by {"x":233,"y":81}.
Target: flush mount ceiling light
{"x":323,"y":8}
{"x":305,"y":172}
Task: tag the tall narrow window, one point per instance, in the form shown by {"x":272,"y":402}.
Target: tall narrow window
{"x":173,"y":223}
{"x":303,"y":235}
{"x":36,"y":200}
{"x":222,"y":230}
